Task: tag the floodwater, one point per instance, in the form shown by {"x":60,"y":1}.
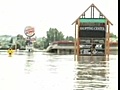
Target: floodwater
{"x":45,"y":71}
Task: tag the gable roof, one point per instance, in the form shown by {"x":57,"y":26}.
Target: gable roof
{"x":92,"y":5}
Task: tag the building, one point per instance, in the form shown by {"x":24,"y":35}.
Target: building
{"x":67,"y":47}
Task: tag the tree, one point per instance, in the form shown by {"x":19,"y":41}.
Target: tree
{"x":70,"y":38}
{"x":54,"y":35}
{"x":113,"y":35}
{"x":11,"y":42}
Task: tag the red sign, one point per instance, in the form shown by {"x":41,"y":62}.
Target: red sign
{"x":29,"y":31}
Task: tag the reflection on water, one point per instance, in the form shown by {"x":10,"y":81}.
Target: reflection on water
{"x":29,"y":62}
{"x":92,"y":74}
{"x":44,"y":71}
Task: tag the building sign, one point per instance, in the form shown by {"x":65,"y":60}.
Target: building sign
{"x":92,"y":24}
{"x":92,"y":28}
{"x":29,"y":31}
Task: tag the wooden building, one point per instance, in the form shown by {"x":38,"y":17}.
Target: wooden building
{"x":92,"y":29}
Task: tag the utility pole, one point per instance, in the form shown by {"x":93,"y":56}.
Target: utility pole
{"x":54,"y":34}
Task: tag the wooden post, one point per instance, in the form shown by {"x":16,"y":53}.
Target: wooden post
{"x":78,"y":41}
{"x":79,"y":37}
{"x":108,"y":39}
{"x":75,"y":44}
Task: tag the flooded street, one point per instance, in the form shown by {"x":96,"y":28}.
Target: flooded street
{"x":44,"y":71}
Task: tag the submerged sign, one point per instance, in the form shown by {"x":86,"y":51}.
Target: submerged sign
{"x":92,"y":28}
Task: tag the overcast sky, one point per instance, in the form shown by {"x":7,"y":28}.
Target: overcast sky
{"x":15,"y":15}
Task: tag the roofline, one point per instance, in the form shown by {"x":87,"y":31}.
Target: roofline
{"x":97,"y":9}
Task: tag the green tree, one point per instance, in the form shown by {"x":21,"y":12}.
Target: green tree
{"x":41,"y":43}
{"x":70,"y":38}
{"x":54,"y":35}
{"x":113,"y":35}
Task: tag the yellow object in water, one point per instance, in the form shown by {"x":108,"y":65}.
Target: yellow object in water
{"x":10,"y":52}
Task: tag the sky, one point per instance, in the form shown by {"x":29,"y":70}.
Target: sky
{"x":15,"y":15}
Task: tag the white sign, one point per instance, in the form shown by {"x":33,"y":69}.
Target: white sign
{"x":29,"y":31}
{"x":92,"y":28}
